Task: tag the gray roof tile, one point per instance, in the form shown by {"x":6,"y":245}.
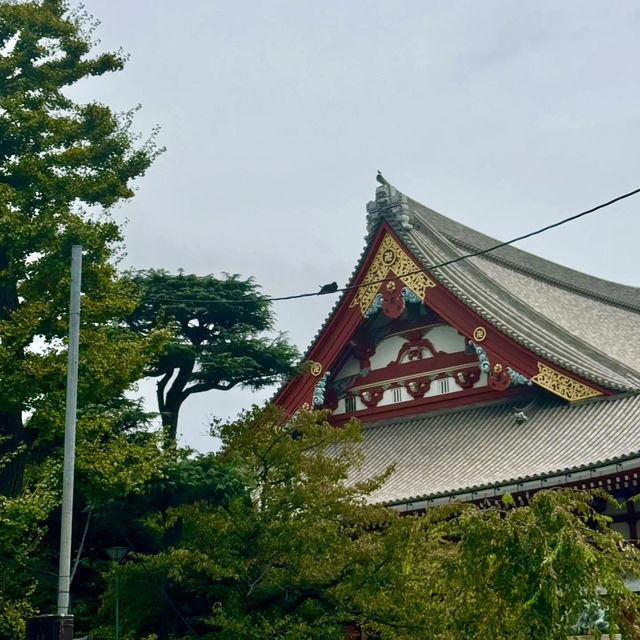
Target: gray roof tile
{"x":611,"y":329}
{"x":444,"y":453}
{"x":471,"y":240}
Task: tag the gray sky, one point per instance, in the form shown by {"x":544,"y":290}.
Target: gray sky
{"x":503,"y":115}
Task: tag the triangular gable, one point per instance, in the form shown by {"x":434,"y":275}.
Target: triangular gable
{"x":389,"y":277}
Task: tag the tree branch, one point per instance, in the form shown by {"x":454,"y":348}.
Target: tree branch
{"x":160,"y":387}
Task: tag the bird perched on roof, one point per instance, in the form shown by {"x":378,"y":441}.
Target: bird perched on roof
{"x":380,"y":178}
{"x":332,"y":287}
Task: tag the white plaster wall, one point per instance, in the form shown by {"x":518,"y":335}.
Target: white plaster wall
{"x":445,"y":338}
{"x":351,"y":368}
{"x":434,"y":390}
{"x":387,"y":398}
{"x":341,"y":405}
{"x":386,"y":352}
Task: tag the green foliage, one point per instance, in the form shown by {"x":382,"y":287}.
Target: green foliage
{"x":280,"y":545}
{"x":508,"y":573}
{"x":52,"y":150}
{"x":220,"y":336}
{"x":268,"y":548}
{"x":60,"y":162}
{"x":62,"y":165}
{"x":21,"y":533}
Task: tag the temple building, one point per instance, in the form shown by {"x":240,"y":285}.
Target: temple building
{"x":477,"y":376}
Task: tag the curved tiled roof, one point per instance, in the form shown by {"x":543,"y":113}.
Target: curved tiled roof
{"x":584,"y":324}
{"x":612,"y":329}
{"x":450,"y":452}
{"x":470,"y":240}
{"x":532,"y":313}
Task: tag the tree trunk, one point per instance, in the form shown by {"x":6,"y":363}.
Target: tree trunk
{"x":12,"y":432}
{"x":170,"y":401}
{"x":172,"y":423}
{"x":169,"y":409}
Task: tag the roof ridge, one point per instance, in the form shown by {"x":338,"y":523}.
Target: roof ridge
{"x":455,"y":231}
{"x":587,"y":293}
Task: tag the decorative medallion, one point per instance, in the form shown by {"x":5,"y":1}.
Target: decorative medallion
{"x":393,"y":303}
{"x":315,"y":368}
{"x":479,"y":334}
{"x":417,"y":388}
{"x":514,"y":377}
{"x":466,"y":378}
{"x":390,"y":257}
{"x":499,"y":378}
{"x":371,"y":397}
{"x":562,"y":385}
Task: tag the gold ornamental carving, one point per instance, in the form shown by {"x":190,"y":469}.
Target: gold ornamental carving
{"x":479,"y":334}
{"x":390,"y":257}
{"x":562,"y":385}
{"x":315,"y":368}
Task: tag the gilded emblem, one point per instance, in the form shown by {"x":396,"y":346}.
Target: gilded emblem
{"x":315,"y":368}
{"x":479,"y":334}
{"x":391,"y":259}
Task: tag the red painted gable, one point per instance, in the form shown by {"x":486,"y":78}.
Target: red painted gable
{"x":502,"y":351}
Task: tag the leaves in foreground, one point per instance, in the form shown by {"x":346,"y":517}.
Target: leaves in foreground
{"x":281,"y":545}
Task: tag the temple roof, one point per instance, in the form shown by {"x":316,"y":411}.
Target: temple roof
{"x":587,"y":325}
{"x":470,"y":240}
{"x":579,"y":323}
{"x":464,"y":451}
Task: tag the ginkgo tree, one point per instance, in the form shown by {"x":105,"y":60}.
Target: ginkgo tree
{"x":62,"y":165}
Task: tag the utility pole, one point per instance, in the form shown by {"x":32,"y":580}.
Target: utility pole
{"x":64,"y":570}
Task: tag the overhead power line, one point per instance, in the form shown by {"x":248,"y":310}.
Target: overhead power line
{"x":473,"y":254}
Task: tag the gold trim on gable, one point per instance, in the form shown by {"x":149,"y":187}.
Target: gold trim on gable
{"x":562,"y":385}
{"x":315,"y":368}
{"x":391,"y":257}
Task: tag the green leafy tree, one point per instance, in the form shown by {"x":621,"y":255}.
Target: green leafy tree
{"x":270,"y":544}
{"x":281,"y":545}
{"x":60,"y":162}
{"x":62,"y":165}
{"x":221,"y":337}
{"x":21,"y":534}
{"x":140,"y":521}
{"x":509,"y":573}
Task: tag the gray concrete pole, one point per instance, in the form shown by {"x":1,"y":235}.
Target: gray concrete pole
{"x":64,"y":569}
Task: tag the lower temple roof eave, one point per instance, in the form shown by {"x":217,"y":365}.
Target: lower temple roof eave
{"x":577,"y":475}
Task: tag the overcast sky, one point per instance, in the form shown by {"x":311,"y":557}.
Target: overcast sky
{"x":503,"y":115}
